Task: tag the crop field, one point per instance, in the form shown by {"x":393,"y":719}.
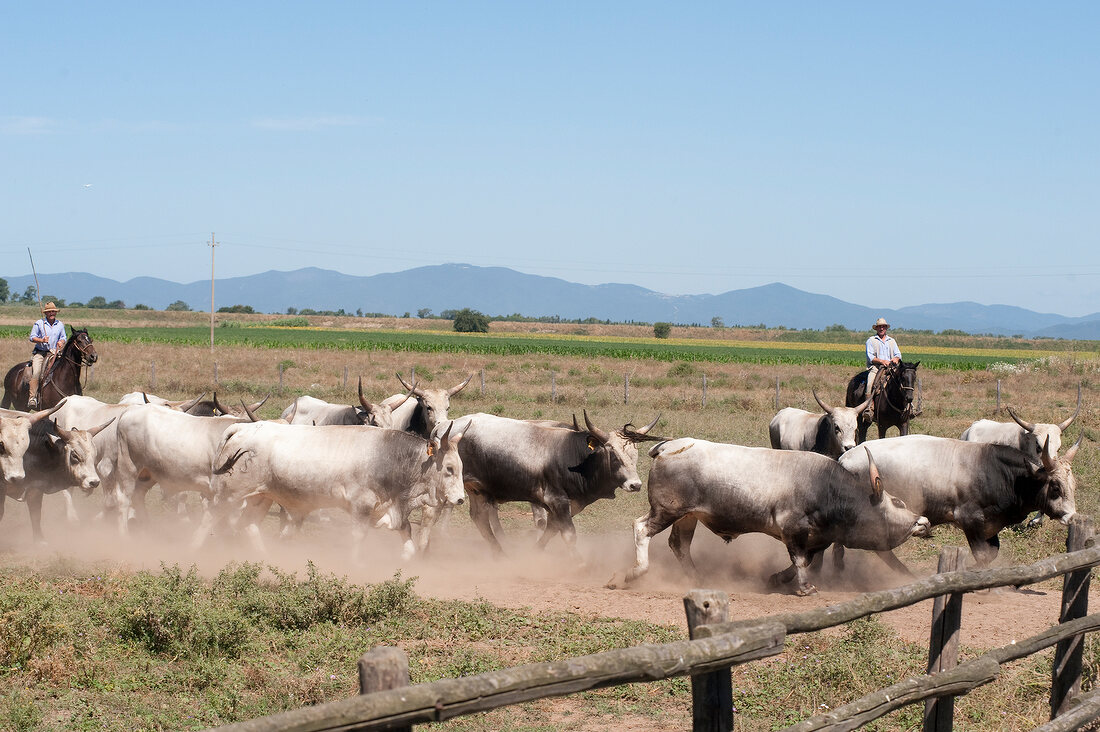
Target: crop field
{"x":100,"y":633}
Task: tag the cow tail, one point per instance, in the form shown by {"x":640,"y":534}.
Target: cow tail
{"x":659,"y":449}
{"x":224,"y":462}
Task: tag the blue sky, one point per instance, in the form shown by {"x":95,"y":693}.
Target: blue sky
{"x":887,"y":154}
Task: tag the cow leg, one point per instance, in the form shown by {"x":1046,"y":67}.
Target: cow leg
{"x":984,"y":551}
{"x":645,"y":528}
{"x":33,"y":499}
{"x":800,"y":562}
{"x":538,"y":514}
{"x":481,"y":511}
{"x":70,"y":510}
{"x":679,"y":540}
{"x":254,"y":510}
{"x":895,"y":564}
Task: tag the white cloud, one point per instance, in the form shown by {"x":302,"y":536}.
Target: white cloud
{"x":307,"y":124}
{"x":28,"y":125}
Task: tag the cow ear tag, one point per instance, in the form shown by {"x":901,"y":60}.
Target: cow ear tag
{"x":431,"y":449}
{"x":591,"y":443}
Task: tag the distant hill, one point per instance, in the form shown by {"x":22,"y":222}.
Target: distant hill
{"x":502,"y":291}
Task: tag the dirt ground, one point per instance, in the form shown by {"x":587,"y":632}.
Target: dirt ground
{"x":460,"y":566}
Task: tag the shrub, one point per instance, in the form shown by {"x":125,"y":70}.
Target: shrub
{"x":27,"y":628}
{"x":179,"y":306}
{"x":291,"y":322}
{"x":236,"y":309}
{"x":141,"y":306}
{"x":662,"y":330}
{"x":470,"y":321}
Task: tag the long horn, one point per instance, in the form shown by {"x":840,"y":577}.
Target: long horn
{"x":145,"y":397}
{"x":1026,"y":425}
{"x":876,"y":479}
{"x":293,"y":412}
{"x":823,"y":405}
{"x":576,"y":427}
{"x":362,"y":400}
{"x":39,"y":416}
{"x":455,"y":389}
{"x":445,"y":437}
{"x":1065,"y":425}
{"x":218,"y":405}
{"x":593,"y":429}
{"x":260,"y":403}
{"x":1073,"y":450}
{"x":63,"y":433}
{"x":861,"y":408}
{"x":651,"y":425}
{"x":96,"y":430}
{"x":184,"y":406}
{"x":248,"y":411}
{"x":412,"y":388}
{"x":1046,"y":457}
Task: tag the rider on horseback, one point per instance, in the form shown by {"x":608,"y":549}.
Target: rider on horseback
{"x":882,"y":351}
{"x":48,"y":337}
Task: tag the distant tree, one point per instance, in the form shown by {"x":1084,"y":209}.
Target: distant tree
{"x":5,"y":291}
{"x":30,"y":295}
{"x":236,"y":309}
{"x":424,"y":313}
{"x":116,"y":305}
{"x":76,"y":304}
{"x":358,"y":312}
{"x":717,"y":322}
{"x":836,"y":328}
{"x":292,"y":311}
{"x":470,"y":321}
{"x":448,"y":314}
{"x":179,"y":306}
{"x":58,"y":301}
{"x":406,"y":315}
{"x":97,"y":303}
{"x":141,"y":306}
{"x":662,"y":330}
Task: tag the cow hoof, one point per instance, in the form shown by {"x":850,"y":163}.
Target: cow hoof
{"x":617,"y":582}
{"x":806,"y":591}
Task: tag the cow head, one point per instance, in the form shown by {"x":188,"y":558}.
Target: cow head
{"x":1058,"y":487}
{"x":1038,"y":434}
{"x":434,"y":403}
{"x":75,"y":450}
{"x":448,"y":490}
{"x":15,"y":439}
{"x":843,"y":423}
{"x":381,"y":414}
{"x":618,"y":451}
{"x":885,"y":521}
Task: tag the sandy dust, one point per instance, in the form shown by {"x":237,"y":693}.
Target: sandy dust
{"x":460,"y":566}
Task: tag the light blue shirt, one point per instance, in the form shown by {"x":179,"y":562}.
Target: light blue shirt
{"x":42,"y":329}
{"x":884,"y":349}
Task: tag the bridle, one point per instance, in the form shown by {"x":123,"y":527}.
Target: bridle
{"x":85,"y":359}
{"x":895,"y":374}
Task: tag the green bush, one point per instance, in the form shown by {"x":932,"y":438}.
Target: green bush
{"x":298,"y":322}
{"x":662,"y":330}
{"x":470,"y":321}
{"x":27,"y":627}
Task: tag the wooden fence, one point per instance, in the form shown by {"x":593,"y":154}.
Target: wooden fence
{"x":715,"y":644}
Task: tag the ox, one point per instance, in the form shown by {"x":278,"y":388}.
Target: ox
{"x":379,"y":476}
{"x":805,"y":500}
{"x":980,"y":488}
{"x":15,"y":439}
{"x":195,"y":406}
{"x":56,"y":460}
{"x":559,"y":471}
{"x":157,"y":445}
{"x":1027,"y":436}
{"x":421,"y":415}
{"x":311,"y":410}
{"x":832,"y":433}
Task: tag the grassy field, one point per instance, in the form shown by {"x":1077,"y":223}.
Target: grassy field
{"x":86,"y":646}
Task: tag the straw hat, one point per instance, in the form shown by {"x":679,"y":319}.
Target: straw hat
{"x":880,"y":321}
{"x":49,"y":308}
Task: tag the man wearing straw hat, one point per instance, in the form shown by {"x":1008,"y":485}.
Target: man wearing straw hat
{"x":882,"y":350}
{"x":48,"y":336}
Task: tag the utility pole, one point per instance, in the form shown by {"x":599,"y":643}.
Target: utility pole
{"x":213,"y":245}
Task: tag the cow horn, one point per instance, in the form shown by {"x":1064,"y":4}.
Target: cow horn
{"x":96,"y":430}
{"x":1046,"y":457}
{"x":362,"y":400}
{"x":455,"y":389}
{"x":252,"y":417}
{"x":1073,"y":450}
{"x":593,"y":429}
{"x":188,"y":403}
{"x":645,"y":430}
{"x":576,"y":427}
{"x":63,"y":433}
{"x":823,"y":405}
{"x":412,"y":389}
{"x":1065,"y":425}
{"x":218,"y":405}
{"x":39,"y":416}
{"x":408,"y":394}
{"x":145,"y":397}
{"x":1030,"y":427}
{"x":260,"y":403}
{"x":876,"y":478}
{"x":444,"y":439}
{"x":861,"y":408}
{"x":293,"y":412}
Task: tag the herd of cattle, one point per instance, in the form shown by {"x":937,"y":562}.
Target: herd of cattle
{"x":380,"y":462}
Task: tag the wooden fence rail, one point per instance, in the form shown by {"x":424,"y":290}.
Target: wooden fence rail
{"x":716,"y":644}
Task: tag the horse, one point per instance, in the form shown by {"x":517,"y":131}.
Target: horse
{"x":893,"y":404}
{"x":62,"y":379}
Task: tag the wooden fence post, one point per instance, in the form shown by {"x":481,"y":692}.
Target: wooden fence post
{"x":1066,"y":682}
{"x":483,"y":382}
{"x":704,"y":389}
{"x":943,"y":647}
{"x":626,"y":388}
{"x":152,"y":375}
{"x":998,"y":410}
{"x":215,"y":373}
{"x":381,"y":669}
{"x":280,"y":376}
{"x":777,"y":392}
{"x":711,"y":693}
{"x":553,"y":389}
{"x":345,"y":377}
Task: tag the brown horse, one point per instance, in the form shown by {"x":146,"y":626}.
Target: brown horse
{"x":61,"y":381}
{"x":894,"y":405}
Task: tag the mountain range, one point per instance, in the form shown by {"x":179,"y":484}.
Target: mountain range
{"x":502,"y":291}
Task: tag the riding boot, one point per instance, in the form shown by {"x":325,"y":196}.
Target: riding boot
{"x":869,"y":412}
{"x":32,"y":402}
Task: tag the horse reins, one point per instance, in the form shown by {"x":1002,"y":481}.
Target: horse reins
{"x":84,"y":360}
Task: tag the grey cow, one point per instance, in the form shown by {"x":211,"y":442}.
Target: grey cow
{"x":832,"y":433}
{"x":803,"y":499}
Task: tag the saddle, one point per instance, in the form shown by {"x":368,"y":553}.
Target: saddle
{"x":47,"y":372}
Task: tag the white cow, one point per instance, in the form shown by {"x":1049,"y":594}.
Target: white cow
{"x":1027,"y":436}
{"x":310,"y":410}
{"x":832,"y":433}
{"x":421,"y":415}
{"x":377,"y":475}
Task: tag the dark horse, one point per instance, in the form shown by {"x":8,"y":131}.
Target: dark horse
{"x":894,"y":403}
{"x":62,"y":381}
